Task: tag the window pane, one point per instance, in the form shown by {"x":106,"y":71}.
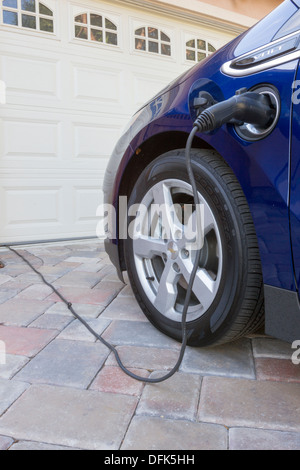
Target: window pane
{"x":201,"y":45}
{"x":164,"y":37}
{"x":211,"y":48}
{"x":191,"y":43}
{"x":112,"y":38}
{"x":201,"y":56}
{"x":153,"y":47}
{"x":81,"y":18}
{"x":10,"y":3}
{"x":166,"y":49}
{"x":110,"y":25}
{"x":10,"y":17}
{"x":153,"y":33}
{"x":28,"y":5}
{"x":45,"y":11}
{"x":291,"y":26}
{"x":190,"y":55}
{"x":29,"y":21}
{"x":96,"y":20}
{"x":141,"y":32}
{"x":46,"y":25}
{"x":140,"y":44}
{"x":96,"y":35}
{"x":81,"y":32}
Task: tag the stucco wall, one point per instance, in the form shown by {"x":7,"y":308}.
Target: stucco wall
{"x":253,"y":8}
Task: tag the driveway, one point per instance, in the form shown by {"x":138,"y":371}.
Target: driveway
{"x":62,"y":389}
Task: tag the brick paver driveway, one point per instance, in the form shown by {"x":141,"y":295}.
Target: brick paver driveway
{"x":62,"y":389}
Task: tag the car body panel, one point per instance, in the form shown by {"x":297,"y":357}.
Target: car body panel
{"x":263,"y":174}
{"x":295,"y":180}
{"x":265,"y":169}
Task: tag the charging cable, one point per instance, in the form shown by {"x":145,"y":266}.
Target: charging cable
{"x":249,"y":107}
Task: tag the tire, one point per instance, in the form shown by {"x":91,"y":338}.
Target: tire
{"x":227,"y":299}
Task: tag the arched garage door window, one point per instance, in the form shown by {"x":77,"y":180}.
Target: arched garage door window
{"x":30,"y":14}
{"x":151,"y":39}
{"x":198,"y":49}
{"x":97,"y":28}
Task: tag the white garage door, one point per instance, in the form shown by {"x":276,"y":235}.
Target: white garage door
{"x":71,"y":75}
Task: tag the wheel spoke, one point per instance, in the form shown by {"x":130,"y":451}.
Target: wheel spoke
{"x":207,"y":223}
{"x":172,"y":227}
{"x":167,"y":291}
{"x":190,"y":233}
{"x":147,"y":247}
{"x":204,"y":287}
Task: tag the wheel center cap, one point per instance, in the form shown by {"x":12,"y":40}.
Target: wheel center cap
{"x":173,"y":250}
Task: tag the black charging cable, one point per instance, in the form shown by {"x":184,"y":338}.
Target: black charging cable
{"x":249,"y":107}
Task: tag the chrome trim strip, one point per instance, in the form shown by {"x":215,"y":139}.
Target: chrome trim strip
{"x":228,"y":70}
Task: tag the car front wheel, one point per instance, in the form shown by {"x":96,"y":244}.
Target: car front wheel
{"x":227,"y":300}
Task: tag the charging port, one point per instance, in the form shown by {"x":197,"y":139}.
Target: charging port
{"x":254,"y":132}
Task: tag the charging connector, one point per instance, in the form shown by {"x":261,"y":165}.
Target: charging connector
{"x":245,"y":106}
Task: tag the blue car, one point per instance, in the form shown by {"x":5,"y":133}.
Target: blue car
{"x":246,"y":167}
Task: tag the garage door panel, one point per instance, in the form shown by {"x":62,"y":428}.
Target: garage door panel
{"x":38,"y":209}
{"x":26,"y":139}
{"x":27,"y":205}
{"x":94,"y":141}
{"x":87,"y":199}
{"x":29,"y":79}
{"x":97,"y":84}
